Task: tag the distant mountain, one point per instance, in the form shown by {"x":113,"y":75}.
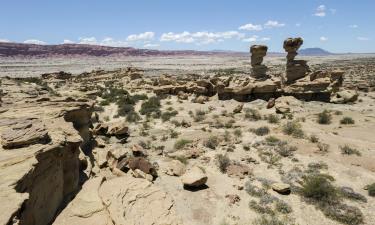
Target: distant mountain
{"x":314,"y":51}
{"x":32,"y":50}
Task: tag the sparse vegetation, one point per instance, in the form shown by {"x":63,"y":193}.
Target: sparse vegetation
{"x":212,"y":142}
{"x":252,"y":114}
{"x":181,"y":143}
{"x":151,"y":107}
{"x":270,"y":220}
{"x":166,"y":116}
{"x":371,"y":189}
{"x":347,"y":150}
{"x":347,"y":120}
{"x":199,"y":115}
{"x":324,"y":117}
{"x":222,"y":161}
{"x":261,"y":131}
{"x":294,"y":129}
{"x":272,"y":118}
{"x":323,"y":147}
{"x":314,"y":139}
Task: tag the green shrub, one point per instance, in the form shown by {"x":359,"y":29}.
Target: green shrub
{"x":212,"y":142}
{"x":260,"y":208}
{"x":283,"y":207}
{"x":151,"y":107}
{"x":166,"y":116}
{"x":314,"y":139}
{"x":323,"y":147}
{"x":252,"y":114}
{"x":342,"y":213}
{"x":371,"y":189}
{"x":319,"y":188}
{"x":132,"y":117}
{"x":285,"y":150}
{"x":347,"y":150}
{"x":199,"y":115}
{"x":261,"y":131}
{"x":272,"y":140}
{"x":222,"y":161}
{"x":294,"y":129}
{"x":179,"y":144}
{"x":270,"y":220}
{"x":347,"y":120}
{"x":324,"y":117}
{"x":273,"y":118}
{"x":237,"y":133}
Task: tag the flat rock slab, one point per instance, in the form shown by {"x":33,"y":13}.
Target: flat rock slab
{"x":281,"y":188}
{"x":23,"y":132}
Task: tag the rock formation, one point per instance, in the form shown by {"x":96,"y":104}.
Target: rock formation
{"x":257,"y":53}
{"x":295,"y":69}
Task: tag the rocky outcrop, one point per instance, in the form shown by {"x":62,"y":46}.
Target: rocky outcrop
{"x":194,"y":177}
{"x":122,"y":200}
{"x":257,"y":53}
{"x":295,"y":69}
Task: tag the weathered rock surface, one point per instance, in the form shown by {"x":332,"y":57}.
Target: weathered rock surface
{"x":281,"y":188}
{"x":257,"y":54}
{"x":295,"y":69}
{"x":23,"y":132}
{"x":344,"y":96}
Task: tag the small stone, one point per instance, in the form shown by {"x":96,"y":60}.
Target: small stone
{"x":281,"y":188}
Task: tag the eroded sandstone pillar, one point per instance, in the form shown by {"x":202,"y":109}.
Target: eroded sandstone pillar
{"x":258,"y":52}
{"x":295,"y":69}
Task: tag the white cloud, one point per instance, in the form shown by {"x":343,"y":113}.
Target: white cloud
{"x":320,"y":11}
{"x":146,"y":36}
{"x":363,"y":38}
{"x":4,"y":40}
{"x":323,"y":38}
{"x":265,"y":39}
{"x":88,"y":41}
{"x":150,"y":45}
{"x":66,"y":41}
{"x":108,"y":41}
{"x":202,"y":37}
{"x":35,"y":42}
{"x":273,"y":23}
{"x":251,"y":27}
{"x":354,"y":26}
{"x":253,"y":38}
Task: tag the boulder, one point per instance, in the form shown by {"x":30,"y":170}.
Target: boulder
{"x":118,"y":129}
{"x":285,"y":104}
{"x":344,"y":96}
{"x":194,"y":177}
{"x":175,"y":168}
{"x":142,"y":164}
{"x":281,"y":188}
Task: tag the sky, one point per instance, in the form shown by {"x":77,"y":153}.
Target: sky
{"x":338,"y":26}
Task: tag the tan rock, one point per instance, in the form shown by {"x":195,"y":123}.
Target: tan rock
{"x":344,"y":96}
{"x":194,"y":177}
{"x":281,"y":188}
{"x":175,"y":168}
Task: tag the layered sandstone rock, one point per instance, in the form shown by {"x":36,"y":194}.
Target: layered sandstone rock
{"x":257,"y":53}
{"x":295,"y":69}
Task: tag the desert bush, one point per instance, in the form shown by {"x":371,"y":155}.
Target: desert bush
{"x":230,"y":123}
{"x":145,"y":144}
{"x":173,"y":133}
{"x":212,"y":142}
{"x":285,"y":150}
{"x":314,"y":139}
{"x":166,"y":116}
{"x":294,"y":129}
{"x":253,"y":190}
{"x":261,"y":208}
{"x":237,"y":133}
{"x":270,"y":220}
{"x":324,"y":117}
{"x":222,"y":162}
{"x":181,"y":143}
{"x":252,"y":114}
{"x":261,"y":131}
{"x":349,"y":193}
{"x":343,"y":213}
{"x":283,"y":207}
{"x":347,"y":150}
{"x":319,"y":188}
{"x":132,"y":117}
{"x":371,"y":189}
{"x":272,"y":118}
{"x":272,"y":140}
{"x":323,"y":147}
{"x":199,"y":115}
{"x":151,"y":107}
{"x":316,"y":166}
{"x":347,"y":120}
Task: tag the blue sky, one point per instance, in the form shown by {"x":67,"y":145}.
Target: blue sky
{"x":335,"y":25}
